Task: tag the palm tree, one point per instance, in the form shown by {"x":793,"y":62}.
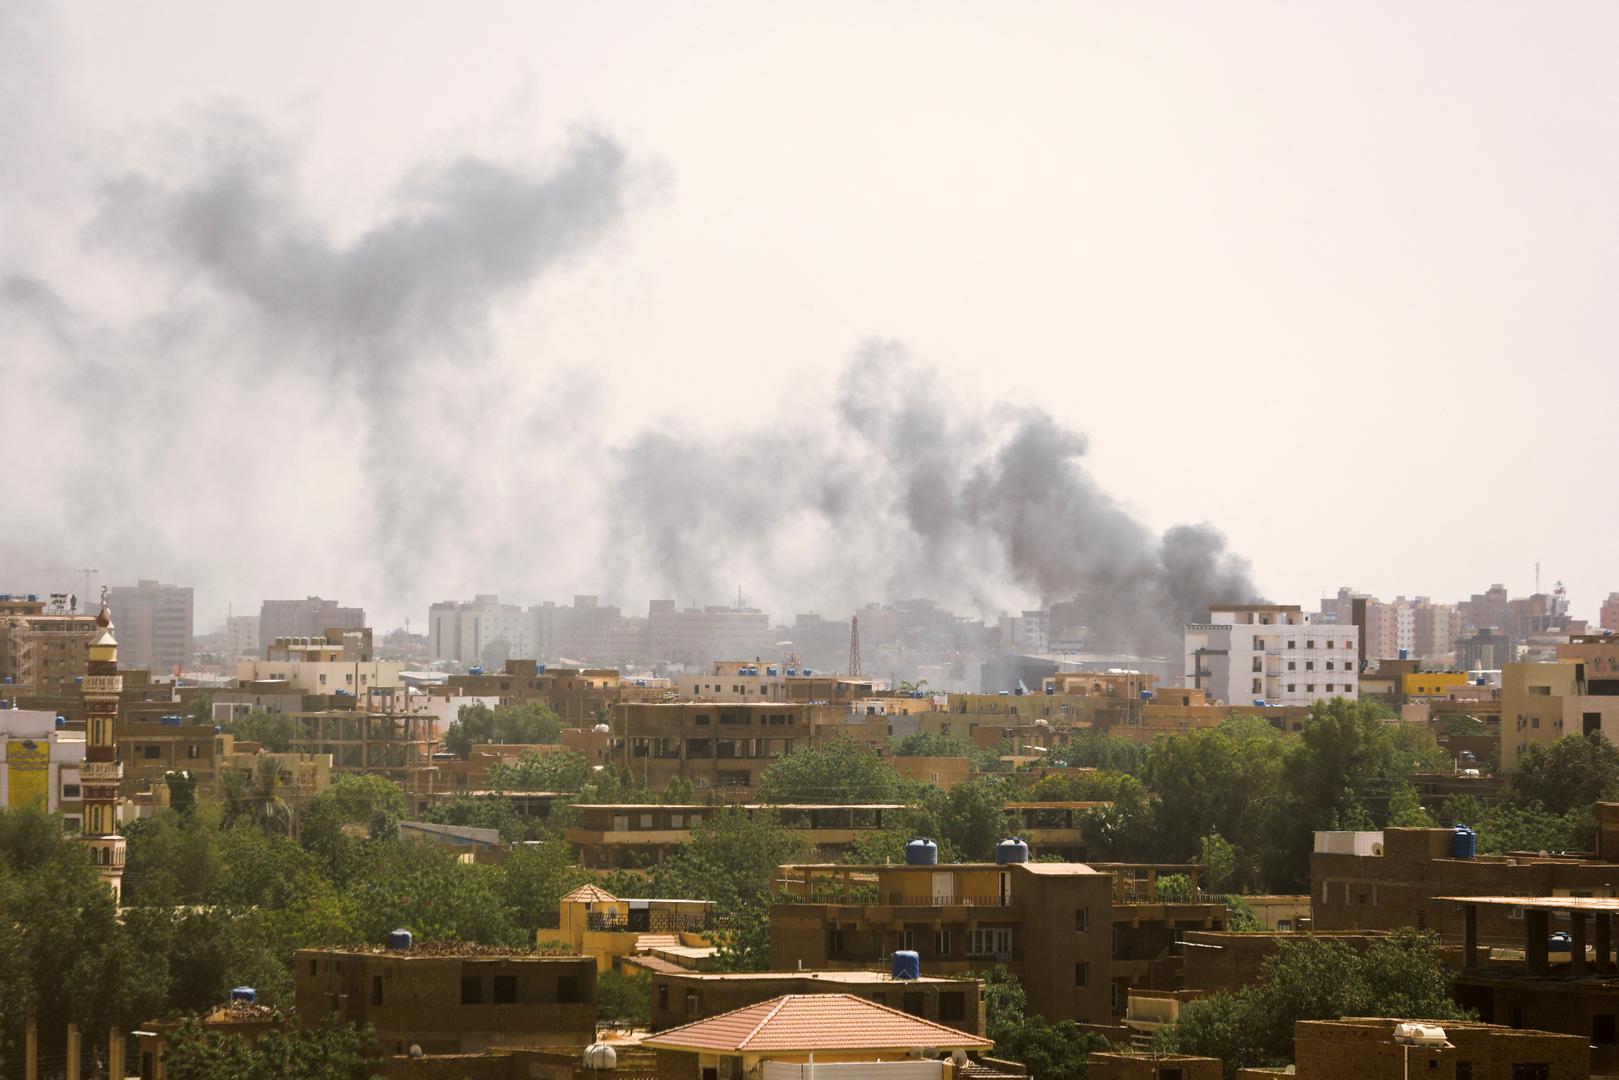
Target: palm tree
{"x":255,"y":796}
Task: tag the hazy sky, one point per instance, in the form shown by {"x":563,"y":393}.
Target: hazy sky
{"x":1338,"y":280}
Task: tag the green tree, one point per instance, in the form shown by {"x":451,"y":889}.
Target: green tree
{"x":1096,"y":750}
{"x":255,"y":797}
{"x":1314,"y":979}
{"x":624,"y":998}
{"x":527,"y":722}
{"x":172,"y":857}
{"x":534,"y":878}
{"x":425,"y":888}
{"x":565,"y":771}
{"x":363,"y":804}
{"x":967,"y":821}
{"x":182,"y":785}
{"x":843,"y":771}
{"x":744,"y":940}
{"x":1220,"y":781}
{"x":200,"y":709}
{"x":1051,"y":1051}
{"x":1572,"y":773}
{"x":331,"y":1050}
{"x":1406,"y":810}
{"x":731,"y":859}
{"x":272,"y":730}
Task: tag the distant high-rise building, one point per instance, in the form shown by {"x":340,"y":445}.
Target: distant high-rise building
{"x":1488,"y":649}
{"x":242,"y":635}
{"x":699,"y":636}
{"x":310,"y":617}
{"x":154,"y":623}
{"x":481,"y":631}
{"x":1270,"y":653}
{"x":1610,"y":613}
{"x":42,"y":648}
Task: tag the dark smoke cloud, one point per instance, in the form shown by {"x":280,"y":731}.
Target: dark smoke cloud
{"x":901,"y":491}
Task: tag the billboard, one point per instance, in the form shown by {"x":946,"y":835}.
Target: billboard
{"x":28,"y":772}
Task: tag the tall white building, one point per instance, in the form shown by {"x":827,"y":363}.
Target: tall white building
{"x":481,"y":631}
{"x":1270,"y":653}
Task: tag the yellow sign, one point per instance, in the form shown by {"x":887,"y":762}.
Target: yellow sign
{"x":28,"y":772}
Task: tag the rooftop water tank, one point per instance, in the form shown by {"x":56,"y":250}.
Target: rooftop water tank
{"x":475,"y":669}
{"x":600,"y":1057}
{"x":602,"y":729}
{"x":7,"y":680}
{"x":921,"y":852}
{"x":1405,"y":654}
{"x":1011,"y":850}
{"x":1146,"y":695}
{"x":1559,"y":942}
{"x":1259,"y":702}
{"x":399,"y":941}
{"x":1463,"y":842}
{"x":1051,"y":688}
{"x":540,"y":670}
{"x":61,"y":721}
{"x":907,"y":965}
{"x":770,"y":671}
{"x":809,"y":671}
{"x":244,"y":993}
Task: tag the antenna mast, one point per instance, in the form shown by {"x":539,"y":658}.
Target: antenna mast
{"x":854,"y":645}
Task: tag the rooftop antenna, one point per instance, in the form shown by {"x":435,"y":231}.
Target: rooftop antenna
{"x":1537,"y":578}
{"x":854,"y":645}
{"x":85,"y":570}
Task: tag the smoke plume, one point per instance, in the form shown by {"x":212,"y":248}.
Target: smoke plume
{"x":902,"y":491}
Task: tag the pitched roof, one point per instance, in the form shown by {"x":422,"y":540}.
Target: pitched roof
{"x":805,"y":1022}
{"x":589,"y":894}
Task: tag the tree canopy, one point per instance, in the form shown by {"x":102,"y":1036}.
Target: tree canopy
{"x":527,"y":722}
{"x":842,"y":771}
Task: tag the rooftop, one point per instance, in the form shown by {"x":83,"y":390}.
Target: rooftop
{"x":1600,"y":904}
{"x":813,"y":1022}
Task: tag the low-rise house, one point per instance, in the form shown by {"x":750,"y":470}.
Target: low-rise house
{"x":595,"y":923}
{"x":774,"y":1039}
{"x":450,"y":997}
{"x":681,"y":997}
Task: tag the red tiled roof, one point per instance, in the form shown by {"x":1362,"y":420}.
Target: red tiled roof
{"x":589,"y":894}
{"x":805,"y":1022}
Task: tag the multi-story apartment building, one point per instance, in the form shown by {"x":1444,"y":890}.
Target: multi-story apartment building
{"x":242,"y":636}
{"x":635,"y":834}
{"x":151,"y":749}
{"x":43,"y":649}
{"x":1394,"y":878}
{"x":1270,"y":654}
{"x":698,"y":635}
{"x":1609,"y":618}
{"x":482,"y":631}
{"x":334,"y":646}
{"x":154,"y":625}
{"x":752,"y":680}
{"x":321,"y":676}
{"x":1077,"y":936}
{"x":726,"y":745}
{"x":40,"y":763}
{"x":309,"y":617}
{"x":458,"y":1000}
{"x":1578,"y":694}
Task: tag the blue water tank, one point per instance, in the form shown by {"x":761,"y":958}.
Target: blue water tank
{"x":1559,"y":942}
{"x":243,"y":993}
{"x":399,"y":941}
{"x":1467,"y":755}
{"x":61,"y":721}
{"x":1405,"y":654}
{"x":809,"y":671}
{"x":169,"y":721}
{"x":1051,"y":688}
{"x":792,"y":671}
{"x":907,"y":965}
{"x":1011,"y":850}
{"x":7,"y":680}
{"x":1146,"y":695}
{"x":921,"y":852}
{"x":540,"y":670}
{"x":217,"y":729}
{"x":770,"y":671}
{"x":1259,"y":702}
{"x":1463,"y":842}
{"x":33,"y":596}
{"x":475,"y":669}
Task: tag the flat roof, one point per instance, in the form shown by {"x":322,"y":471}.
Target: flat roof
{"x":1603,"y":904}
{"x":742,"y":806}
{"x":851,"y":978}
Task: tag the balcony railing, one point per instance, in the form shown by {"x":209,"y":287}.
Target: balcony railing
{"x":953,"y":900}
{"x":651,"y":922}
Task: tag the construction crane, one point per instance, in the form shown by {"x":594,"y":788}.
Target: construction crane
{"x":85,"y":570}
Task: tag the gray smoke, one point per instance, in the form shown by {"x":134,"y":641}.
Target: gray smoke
{"x":902,"y":491}
{"x":295,"y":397}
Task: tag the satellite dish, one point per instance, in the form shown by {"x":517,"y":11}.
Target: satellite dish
{"x":415,"y":1050}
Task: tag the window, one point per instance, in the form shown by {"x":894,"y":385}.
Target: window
{"x":314,"y":966}
{"x":1082,"y":974}
{"x":692,"y":1002}
{"x":376,"y":989}
{"x":1464,"y":1070}
{"x":952,"y":1006}
{"x":191,"y":751}
{"x":70,"y":791}
{"x":834,"y":942}
{"x":1309,"y":688}
{"x":505,"y":990}
{"x":1292,"y":665}
{"x":663,"y":995}
{"x":1082,"y":919}
{"x":471,"y":990}
{"x":1602,"y":1028}
{"x":1531,"y":1070}
{"x":1291,"y":687}
{"x":904,"y":941}
{"x":151,"y":752}
{"x":911,"y":1002}
{"x":941,"y":943}
{"x":568,"y":990}
{"x":1309,"y":665}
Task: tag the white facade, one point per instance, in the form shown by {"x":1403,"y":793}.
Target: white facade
{"x":1270,"y":654}
{"x":39,"y":761}
{"x":473,"y":632}
{"x":322,"y":677}
{"x":242,"y":636}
